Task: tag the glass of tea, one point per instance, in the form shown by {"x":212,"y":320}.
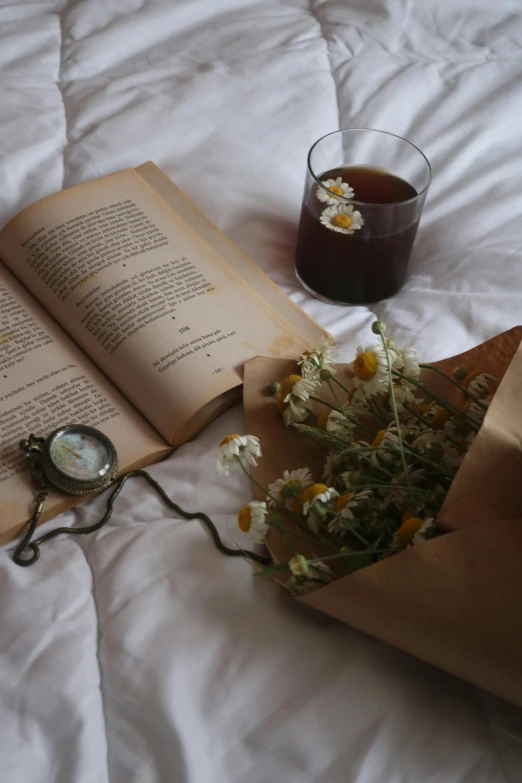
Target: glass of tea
{"x":364,"y":194}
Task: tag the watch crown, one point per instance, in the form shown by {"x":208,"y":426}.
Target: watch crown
{"x":31,"y":445}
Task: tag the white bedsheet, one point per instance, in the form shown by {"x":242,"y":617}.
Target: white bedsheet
{"x":141,"y":654}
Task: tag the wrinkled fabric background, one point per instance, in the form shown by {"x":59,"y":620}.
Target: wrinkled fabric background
{"x":141,"y":654}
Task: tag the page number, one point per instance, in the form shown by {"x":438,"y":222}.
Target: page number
{"x":184,"y":329}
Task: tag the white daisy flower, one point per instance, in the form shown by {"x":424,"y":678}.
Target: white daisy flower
{"x":338,"y":422}
{"x":332,"y":468}
{"x":410,"y":526}
{"x":293,"y":398}
{"x":343,"y":508}
{"x":246,"y":447}
{"x":479,"y":384}
{"x":303,"y":388}
{"x":425,"y":532}
{"x":295,"y":412}
{"x":299,"y":565}
{"x":359,"y":403}
{"x":322,"y":497}
{"x":252,"y":520}
{"x":318,"y":574}
{"x":337,"y":188}
{"x":408,"y":362}
{"x":398,"y":496}
{"x":293,"y":482}
{"x":370,"y":369}
{"x":477,"y":412}
{"x":342,"y":218}
{"x":322,"y":357}
{"x":404,"y":396}
{"x":436,"y":446}
{"x":386,"y":436}
{"x":352,"y":480}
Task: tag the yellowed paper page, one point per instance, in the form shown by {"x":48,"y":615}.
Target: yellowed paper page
{"x":46,"y":382}
{"x":234,"y":257}
{"x":156,"y":308}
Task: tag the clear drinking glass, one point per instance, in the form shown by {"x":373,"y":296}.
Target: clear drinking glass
{"x":355,"y":241}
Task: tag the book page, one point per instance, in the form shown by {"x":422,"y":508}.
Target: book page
{"x":157,"y":309}
{"x":235,"y":258}
{"x":47,"y":382}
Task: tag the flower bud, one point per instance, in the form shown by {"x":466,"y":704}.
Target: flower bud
{"x":378,"y":327}
{"x":324,"y":375}
{"x":275,"y":388}
{"x":459,"y":374}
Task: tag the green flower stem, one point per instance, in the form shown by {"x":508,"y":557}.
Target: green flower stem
{"x":288,"y":543}
{"x":284,"y":530}
{"x":263,"y":490}
{"x":352,"y":554}
{"x":428,"y":424}
{"x":319,"y":537}
{"x":396,"y":486}
{"x":443,"y":403}
{"x":283,"y":567}
{"x":420,"y":458}
{"x":370,"y":467}
{"x":338,"y":401}
{"x":377,"y":412}
{"x":463,"y":389}
{"x":393,"y":406}
{"x":347,"y":415}
{"x":295,"y":517}
{"x":351,"y":529}
{"x":338,"y":382}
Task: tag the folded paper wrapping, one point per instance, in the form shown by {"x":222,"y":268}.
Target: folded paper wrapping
{"x":454,"y":602}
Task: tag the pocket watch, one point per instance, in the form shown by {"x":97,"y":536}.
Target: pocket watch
{"x":81,"y":460}
{"x":77,"y":459}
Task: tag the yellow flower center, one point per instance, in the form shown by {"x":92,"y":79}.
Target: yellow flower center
{"x":335,"y":189}
{"x":322,"y":420}
{"x":342,"y":220}
{"x":408,"y":529}
{"x":378,"y":438}
{"x":440,"y":417}
{"x":310,"y":493}
{"x":286,"y":387}
{"x":365,"y":366}
{"x":244,"y":519}
{"x":227,"y":439}
{"x":341,"y":502}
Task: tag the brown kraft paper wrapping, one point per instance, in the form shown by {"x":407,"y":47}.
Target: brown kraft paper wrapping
{"x":455,"y":601}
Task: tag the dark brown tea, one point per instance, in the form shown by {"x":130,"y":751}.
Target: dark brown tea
{"x":369,"y":264}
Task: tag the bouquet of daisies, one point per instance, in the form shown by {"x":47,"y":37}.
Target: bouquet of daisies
{"x":389,"y":496}
{"x":393,"y":448}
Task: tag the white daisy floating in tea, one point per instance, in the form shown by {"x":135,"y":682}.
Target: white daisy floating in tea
{"x":342,"y":218}
{"x":337,"y":189}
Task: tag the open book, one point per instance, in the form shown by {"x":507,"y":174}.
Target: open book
{"x":123,"y":307}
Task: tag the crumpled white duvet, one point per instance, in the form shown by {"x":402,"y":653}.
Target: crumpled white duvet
{"x":140,"y":654}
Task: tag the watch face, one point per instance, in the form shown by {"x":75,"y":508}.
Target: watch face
{"x":79,"y":455}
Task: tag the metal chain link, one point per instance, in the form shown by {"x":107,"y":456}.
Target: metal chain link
{"x":27,"y":544}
